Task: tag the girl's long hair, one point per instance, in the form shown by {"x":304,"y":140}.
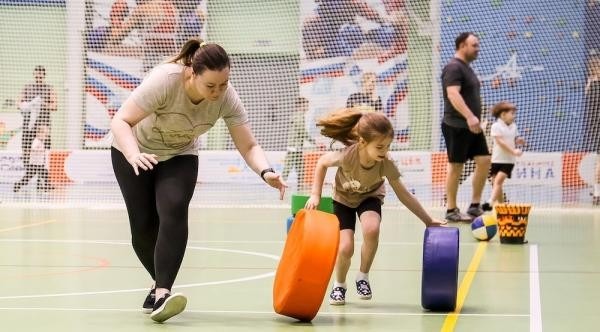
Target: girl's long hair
{"x":350,"y":125}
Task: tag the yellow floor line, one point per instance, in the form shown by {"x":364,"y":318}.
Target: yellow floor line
{"x":2,"y":230}
{"x":463,"y":290}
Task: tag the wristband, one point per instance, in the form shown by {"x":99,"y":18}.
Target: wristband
{"x":266,"y":170}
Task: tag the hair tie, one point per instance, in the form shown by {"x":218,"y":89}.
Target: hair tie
{"x":202,"y":44}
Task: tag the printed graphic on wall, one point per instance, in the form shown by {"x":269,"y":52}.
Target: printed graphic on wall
{"x":356,"y":56}
{"x":532,"y":54}
{"x":124,"y":40}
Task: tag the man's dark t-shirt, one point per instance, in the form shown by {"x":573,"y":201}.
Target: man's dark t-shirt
{"x":44,"y":91}
{"x":456,"y":72}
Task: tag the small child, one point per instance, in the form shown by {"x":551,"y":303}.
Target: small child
{"x":504,"y":154}
{"x":37,"y":162}
{"x":359,"y":189}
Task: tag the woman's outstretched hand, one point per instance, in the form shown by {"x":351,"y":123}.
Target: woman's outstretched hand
{"x":274,"y":180}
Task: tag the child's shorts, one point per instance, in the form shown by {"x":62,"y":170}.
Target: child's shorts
{"x":504,"y":168}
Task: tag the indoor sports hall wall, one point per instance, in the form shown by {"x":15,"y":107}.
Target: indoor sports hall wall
{"x":537,"y":54}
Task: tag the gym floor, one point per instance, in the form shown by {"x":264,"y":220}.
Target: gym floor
{"x":73,"y":269}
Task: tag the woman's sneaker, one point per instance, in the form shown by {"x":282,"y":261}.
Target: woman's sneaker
{"x":363,"y":289}
{"x":148,"y":305}
{"x":337,"y":296}
{"x":168,"y":306}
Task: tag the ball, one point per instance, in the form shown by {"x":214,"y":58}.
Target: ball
{"x":484,"y":227}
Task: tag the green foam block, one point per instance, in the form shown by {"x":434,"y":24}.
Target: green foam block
{"x":298,"y":202}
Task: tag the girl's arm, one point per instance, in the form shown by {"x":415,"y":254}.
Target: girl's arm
{"x":500,"y":141}
{"x":254,"y":156}
{"x":411,"y":202}
{"x":327,"y":160}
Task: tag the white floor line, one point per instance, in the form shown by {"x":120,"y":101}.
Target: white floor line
{"x":208,"y":283}
{"x":127,"y":242}
{"x":535,"y":306}
{"x":253,"y":312}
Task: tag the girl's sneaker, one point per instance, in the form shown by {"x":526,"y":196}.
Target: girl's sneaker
{"x":363,"y":289}
{"x":337,"y":296}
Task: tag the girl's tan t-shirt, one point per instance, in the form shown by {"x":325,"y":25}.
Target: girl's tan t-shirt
{"x":354,"y":183}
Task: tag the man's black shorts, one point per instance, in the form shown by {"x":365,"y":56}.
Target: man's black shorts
{"x":462,"y":144}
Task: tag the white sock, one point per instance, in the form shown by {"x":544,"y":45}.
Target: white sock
{"x":161,"y":292}
{"x":362,"y":276}
{"x":597,"y":189}
{"x":339,"y":284}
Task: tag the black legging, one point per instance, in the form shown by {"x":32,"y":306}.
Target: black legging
{"x":157,"y":203}
{"x":30,"y":171}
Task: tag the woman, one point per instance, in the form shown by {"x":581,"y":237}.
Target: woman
{"x":156,"y":130}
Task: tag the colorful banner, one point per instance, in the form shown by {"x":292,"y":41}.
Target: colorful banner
{"x":533,"y":169}
{"x":532,"y":54}
{"x":422,"y":170}
{"x":11,"y":166}
{"x":356,"y":56}
{"x":414,"y":166}
{"x":119,"y":54}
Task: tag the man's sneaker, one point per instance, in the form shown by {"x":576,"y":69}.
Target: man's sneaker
{"x":456,"y":216}
{"x":474,"y":211}
{"x":363,"y":289}
{"x":168,"y":306}
{"x":148,"y":305}
{"x":486,"y":206}
{"x":337,"y":296}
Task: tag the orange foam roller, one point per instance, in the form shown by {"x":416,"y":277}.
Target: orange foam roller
{"x":306,"y":264}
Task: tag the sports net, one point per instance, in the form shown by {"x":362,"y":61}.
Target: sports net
{"x":293,"y":62}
